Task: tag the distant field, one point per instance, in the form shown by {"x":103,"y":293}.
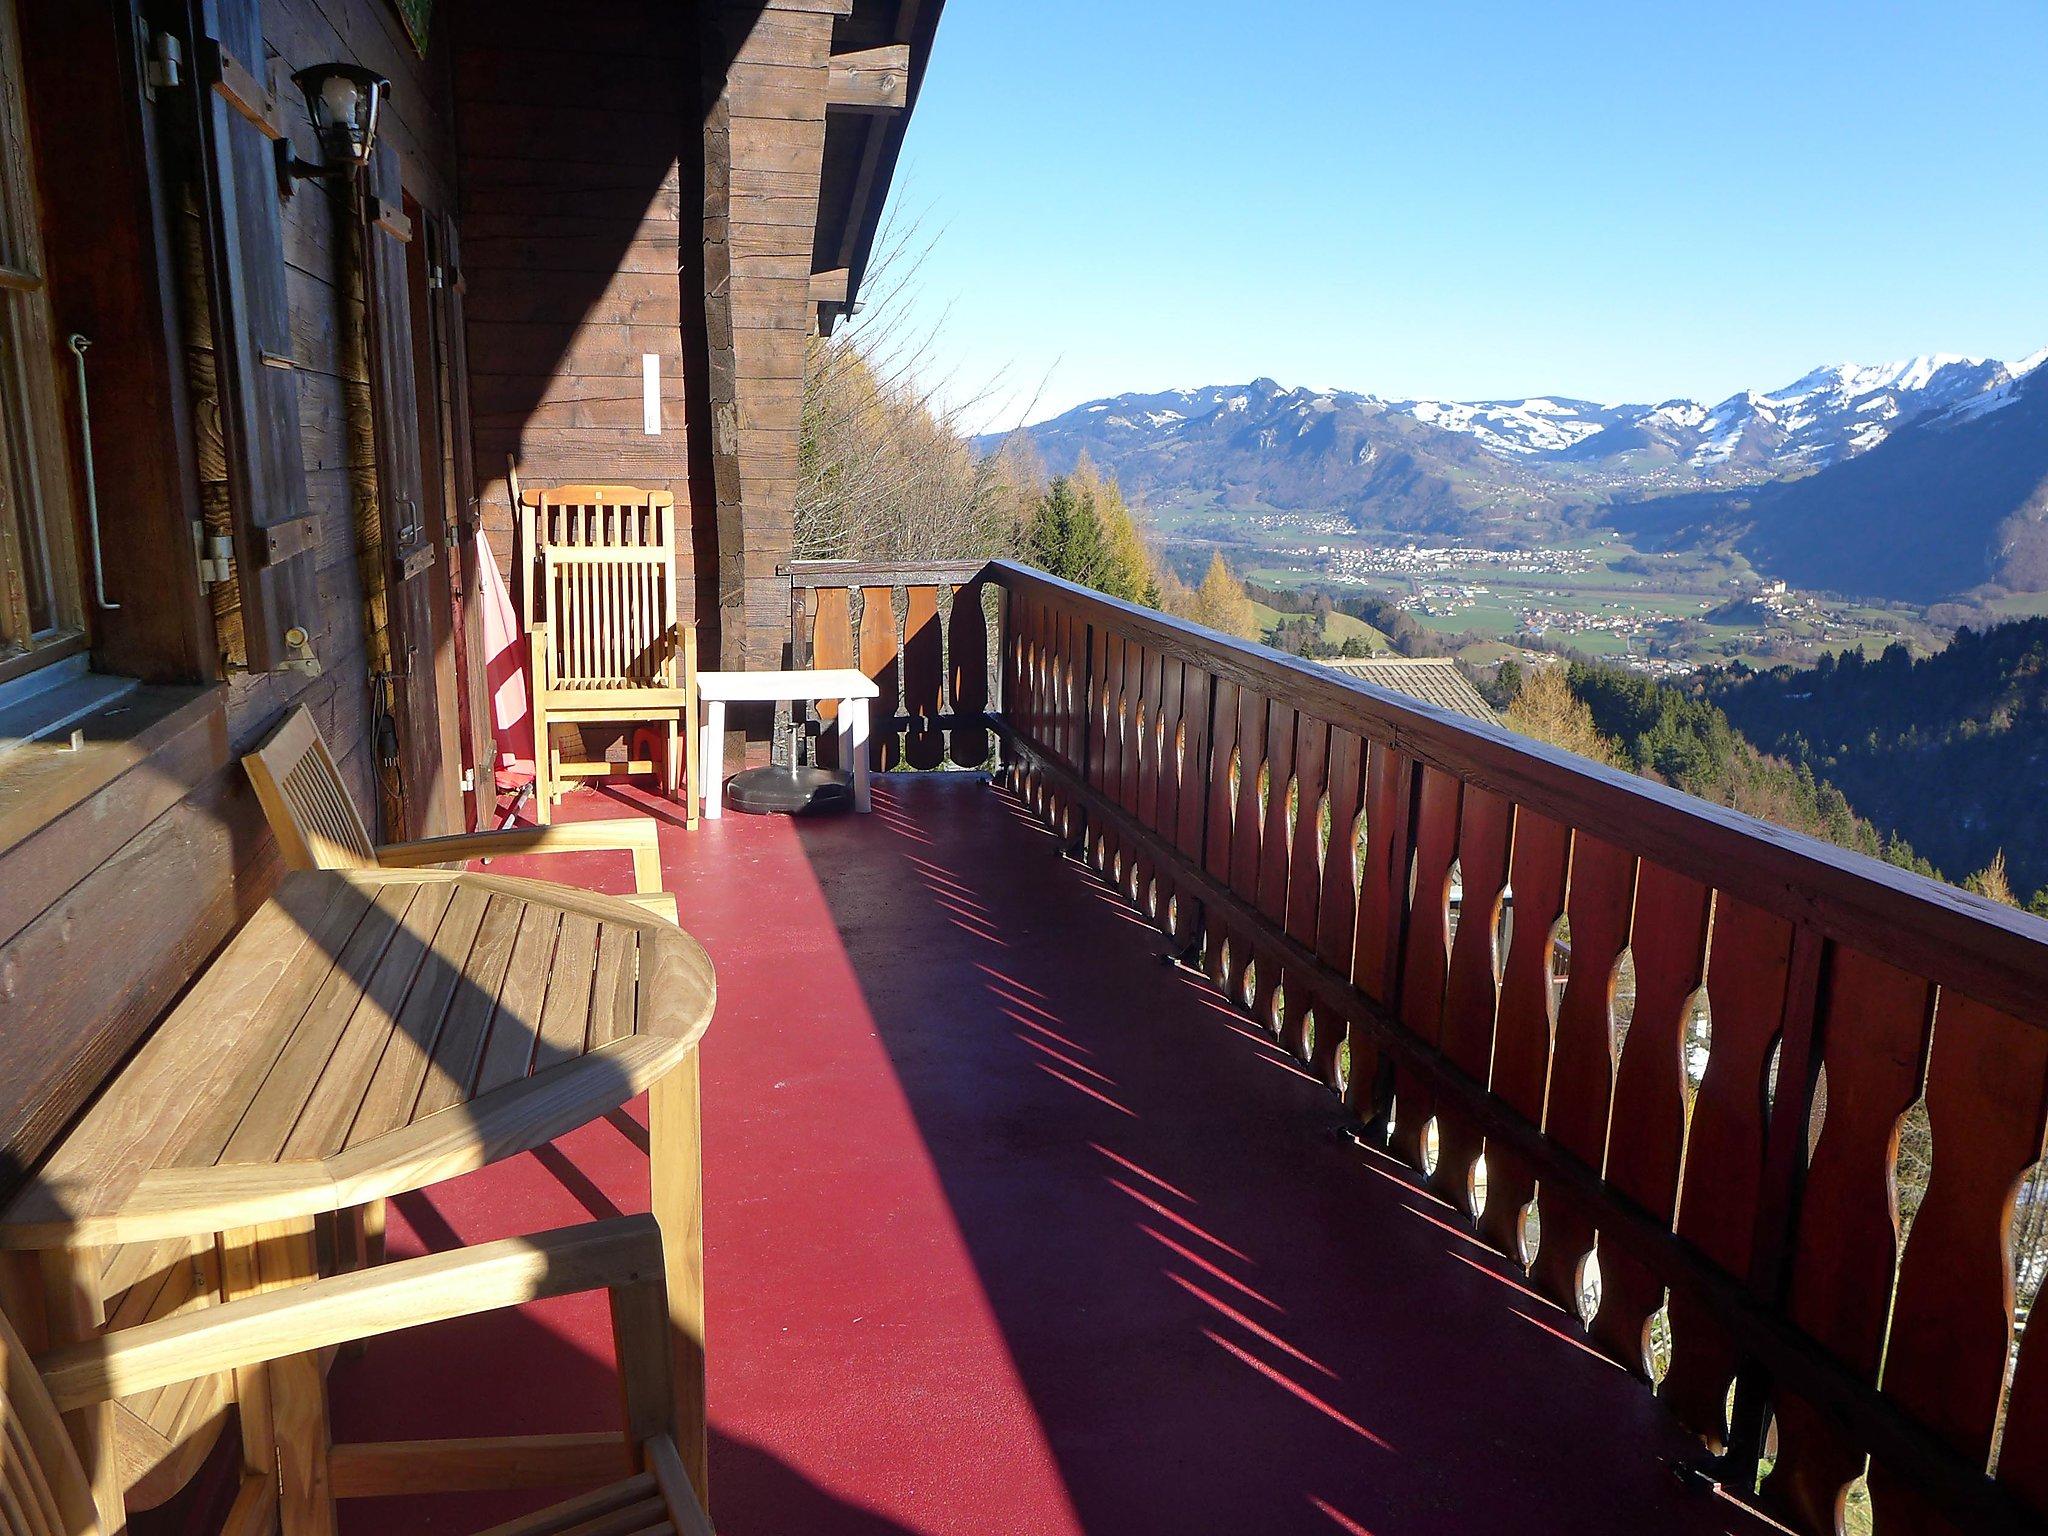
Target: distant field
{"x":1338,"y":628}
{"x":1643,"y":594}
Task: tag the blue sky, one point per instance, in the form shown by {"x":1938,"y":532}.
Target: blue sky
{"x":1618,"y":201}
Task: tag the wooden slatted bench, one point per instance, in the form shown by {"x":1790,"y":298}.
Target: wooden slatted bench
{"x":369,"y":1032}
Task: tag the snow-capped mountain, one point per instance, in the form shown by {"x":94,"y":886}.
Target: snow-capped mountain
{"x":1493,"y":468}
{"x":1827,"y":415}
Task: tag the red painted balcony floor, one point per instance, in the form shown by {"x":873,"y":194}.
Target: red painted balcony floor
{"x":1012,"y":1229}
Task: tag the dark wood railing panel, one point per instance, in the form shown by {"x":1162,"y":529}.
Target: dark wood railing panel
{"x":1646,"y":1126}
{"x":1472,"y":999}
{"x":831,"y":648}
{"x":1952,"y":1317}
{"x":1538,"y":870}
{"x":967,"y":674}
{"x":924,"y":671}
{"x":1337,"y":905}
{"x":1305,"y":870}
{"x":880,"y":652}
{"x":1733,"y":1169}
{"x":1874,"y":1035}
{"x":1598,"y":907}
{"x":1748,"y":976}
{"x":922,"y":633}
{"x":1426,"y":954}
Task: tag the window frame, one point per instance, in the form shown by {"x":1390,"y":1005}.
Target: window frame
{"x":38,"y":502}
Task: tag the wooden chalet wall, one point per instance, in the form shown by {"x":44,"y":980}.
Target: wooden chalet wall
{"x":113,"y":898}
{"x":764,"y":143}
{"x":805,"y":103}
{"x":581,"y":179}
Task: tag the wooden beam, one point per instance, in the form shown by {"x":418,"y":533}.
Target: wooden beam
{"x":870,"y":79}
{"x":829,"y":287}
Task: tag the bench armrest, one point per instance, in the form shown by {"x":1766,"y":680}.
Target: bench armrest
{"x":623,"y":834}
{"x":622,"y":1255}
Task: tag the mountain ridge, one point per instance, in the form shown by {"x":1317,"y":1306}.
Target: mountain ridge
{"x":1488,"y":470}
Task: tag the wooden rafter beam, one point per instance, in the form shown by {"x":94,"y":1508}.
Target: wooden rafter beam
{"x":830,"y":287}
{"x":870,"y":79}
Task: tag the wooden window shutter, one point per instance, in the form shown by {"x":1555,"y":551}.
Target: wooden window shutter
{"x":394,"y":403}
{"x":240,"y":125}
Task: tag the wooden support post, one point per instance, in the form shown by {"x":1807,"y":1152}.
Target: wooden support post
{"x":283,"y":1405}
{"x":676,"y":1162}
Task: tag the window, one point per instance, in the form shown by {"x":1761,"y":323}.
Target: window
{"x":41,"y":612}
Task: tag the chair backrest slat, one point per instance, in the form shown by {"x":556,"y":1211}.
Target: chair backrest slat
{"x":585,"y":517}
{"x":316,"y":823}
{"x":614,"y":624}
{"x":43,"y":1487}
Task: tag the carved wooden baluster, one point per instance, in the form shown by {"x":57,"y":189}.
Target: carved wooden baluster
{"x":1522,"y":1033}
{"x":878,"y":655}
{"x":1165,"y":807}
{"x":1426,"y":953}
{"x":1149,"y":891}
{"x":2023,"y":1452}
{"x":1275,"y":848}
{"x":967,"y":647}
{"x":924,"y":668}
{"x":1108,"y":765}
{"x":1582,"y":1067}
{"x":1133,"y":734}
{"x":1250,"y":827}
{"x":1646,"y":1137}
{"x":1074,"y":656}
{"x":1873,"y":1044}
{"x":1952,"y":1321}
{"x":831,"y":647}
{"x":1337,"y":908}
{"x":1305,"y":870}
{"x":1472,"y":996}
{"x":1390,"y":781}
{"x":1219,"y":836}
{"x":1197,"y":789}
{"x":1747,"y":974}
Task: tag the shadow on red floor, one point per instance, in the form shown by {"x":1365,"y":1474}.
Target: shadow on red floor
{"x":1012,"y":1229}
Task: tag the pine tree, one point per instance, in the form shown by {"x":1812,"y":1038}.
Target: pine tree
{"x":1129,"y":573}
{"x":1064,"y":538}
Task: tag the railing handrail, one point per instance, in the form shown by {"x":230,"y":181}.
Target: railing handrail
{"x":1955,"y":938}
{"x":879,"y":573}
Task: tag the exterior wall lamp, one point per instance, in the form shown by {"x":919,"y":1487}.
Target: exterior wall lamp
{"x":344,"y":102}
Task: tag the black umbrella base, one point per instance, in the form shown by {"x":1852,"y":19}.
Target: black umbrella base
{"x":777,"y":791}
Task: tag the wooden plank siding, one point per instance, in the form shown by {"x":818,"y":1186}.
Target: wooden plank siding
{"x":581,"y":161}
{"x":116,"y":898}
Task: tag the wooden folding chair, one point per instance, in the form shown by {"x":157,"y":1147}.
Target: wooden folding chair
{"x":47,"y":1490}
{"x":602,"y":609}
{"x":317,"y":825}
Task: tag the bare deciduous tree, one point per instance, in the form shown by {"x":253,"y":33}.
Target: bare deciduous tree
{"x":888,"y":470}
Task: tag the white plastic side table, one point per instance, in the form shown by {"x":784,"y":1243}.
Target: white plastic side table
{"x":851,"y":689}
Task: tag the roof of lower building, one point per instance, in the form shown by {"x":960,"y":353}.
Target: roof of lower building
{"x":1432,"y":679}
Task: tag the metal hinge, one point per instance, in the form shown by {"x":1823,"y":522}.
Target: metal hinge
{"x":215,"y":554}
{"x":437,"y":276}
{"x":163,"y":60}
{"x":468,"y":781}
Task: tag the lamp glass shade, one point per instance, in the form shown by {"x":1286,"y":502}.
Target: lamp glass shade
{"x":343,"y":100}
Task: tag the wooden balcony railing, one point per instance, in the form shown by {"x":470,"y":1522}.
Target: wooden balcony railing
{"x":922,"y":632}
{"x":1298,"y":836}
